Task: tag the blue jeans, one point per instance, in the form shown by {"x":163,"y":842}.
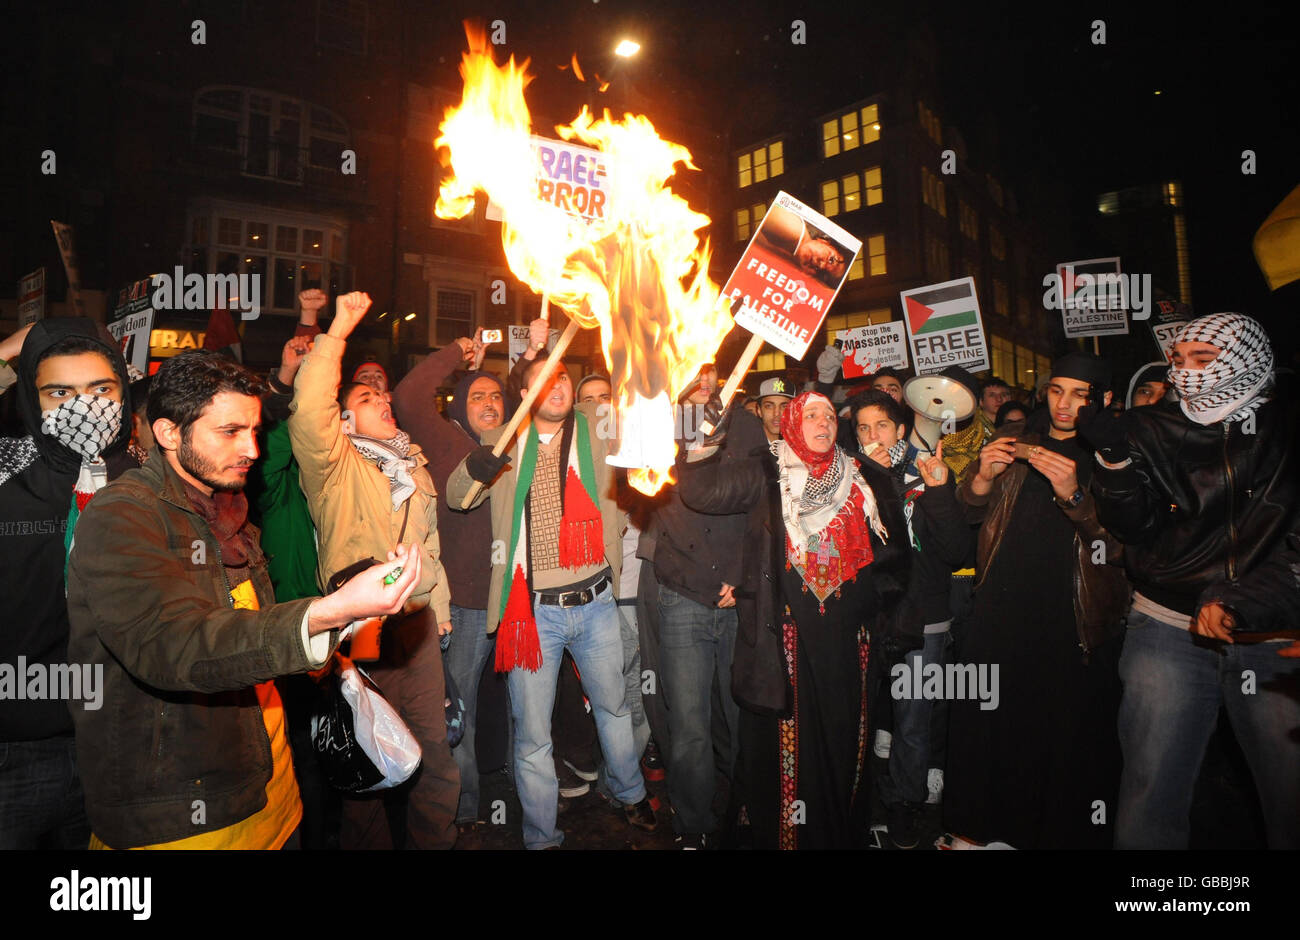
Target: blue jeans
{"x":632,"y":684}
{"x":41,"y":802}
{"x":1174,"y":682}
{"x":911,"y":751}
{"x":466,"y":655}
{"x":591,"y":635}
{"x":695,"y":643}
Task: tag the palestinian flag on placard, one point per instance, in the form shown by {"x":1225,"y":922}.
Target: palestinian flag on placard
{"x":941,"y":309}
{"x":222,"y":335}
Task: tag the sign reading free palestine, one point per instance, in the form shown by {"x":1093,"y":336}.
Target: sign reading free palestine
{"x":944,"y":327}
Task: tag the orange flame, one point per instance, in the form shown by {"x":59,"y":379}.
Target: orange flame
{"x":640,"y":274}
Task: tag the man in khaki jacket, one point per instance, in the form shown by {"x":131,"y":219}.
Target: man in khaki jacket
{"x":367,"y":488}
{"x":556,"y":556}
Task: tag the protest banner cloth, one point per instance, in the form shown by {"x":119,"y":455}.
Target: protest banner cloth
{"x":790,"y":274}
{"x":873,"y":347}
{"x":132,"y":322}
{"x":1093,"y":297}
{"x":31,"y":297}
{"x":944,"y":327}
{"x":68,"y":249}
{"x":569,"y":176}
{"x":1170,"y":317}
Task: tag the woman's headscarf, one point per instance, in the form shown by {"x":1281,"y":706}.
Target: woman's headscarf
{"x":826,"y":506}
{"x":1231,"y":386}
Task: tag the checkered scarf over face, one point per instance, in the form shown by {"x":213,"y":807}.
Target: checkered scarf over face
{"x":85,"y":424}
{"x":1231,"y":387}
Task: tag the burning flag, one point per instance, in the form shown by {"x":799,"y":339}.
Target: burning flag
{"x":639,"y":272}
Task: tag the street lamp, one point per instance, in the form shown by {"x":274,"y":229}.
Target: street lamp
{"x":627,"y":48}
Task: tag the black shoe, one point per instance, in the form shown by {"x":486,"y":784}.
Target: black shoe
{"x":642,"y":816}
{"x":902,"y":824}
{"x":571,"y":785}
{"x":652,"y":766}
{"x":692,"y":842}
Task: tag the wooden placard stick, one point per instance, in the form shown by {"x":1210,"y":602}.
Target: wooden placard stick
{"x":525,"y":407}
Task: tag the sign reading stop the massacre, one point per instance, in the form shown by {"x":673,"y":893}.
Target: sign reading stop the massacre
{"x":790,"y":274}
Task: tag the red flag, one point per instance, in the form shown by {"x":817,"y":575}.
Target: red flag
{"x":222,"y":335}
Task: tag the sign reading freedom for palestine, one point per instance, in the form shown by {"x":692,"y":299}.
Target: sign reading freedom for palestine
{"x":790,"y":274}
{"x":944,"y":327}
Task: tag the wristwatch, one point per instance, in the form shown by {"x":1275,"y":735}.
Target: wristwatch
{"x":1073,"y":501}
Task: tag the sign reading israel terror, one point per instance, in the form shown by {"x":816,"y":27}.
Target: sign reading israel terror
{"x":790,"y":274}
{"x":570,"y":177}
{"x":1094,"y":297}
{"x":870,"y":348}
{"x":944,"y":327}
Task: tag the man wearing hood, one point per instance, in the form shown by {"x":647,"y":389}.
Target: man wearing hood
{"x":1205,"y":498}
{"x":72,"y":393}
{"x":1149,"y":385}
{"x":477,"y":405}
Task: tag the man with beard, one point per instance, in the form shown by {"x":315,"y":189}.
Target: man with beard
{"x":477,"y":405}
{"x":553,"y":510}
{"x":367,"y":488}
{"x":169,"y":600}
{"x":72,"y":396}
{"x":1028,"y":763}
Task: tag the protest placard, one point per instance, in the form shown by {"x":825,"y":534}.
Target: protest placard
{"x":569,"y":176}
{"x":872,"y":347}
{"x":517,"y":338}
{"x":790,"y":274}
{"x":132,"y":322}
{"x":1169,"y":319}
{"x":944,"y":327}
{"x":1094,"y":297}
{"x":31,"y":297}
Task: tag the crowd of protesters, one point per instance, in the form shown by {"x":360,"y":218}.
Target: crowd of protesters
{"x":835,"y":625}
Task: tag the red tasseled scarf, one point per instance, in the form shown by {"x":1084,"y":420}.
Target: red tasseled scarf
{"x":517,"y":642}
{"x":582,"y":539}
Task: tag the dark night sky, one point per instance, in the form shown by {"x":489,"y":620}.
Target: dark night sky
{"x":1025,"y":84}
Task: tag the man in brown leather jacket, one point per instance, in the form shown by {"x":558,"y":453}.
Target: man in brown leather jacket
{"x":168,"y":594}
{"x":1040,"y":769}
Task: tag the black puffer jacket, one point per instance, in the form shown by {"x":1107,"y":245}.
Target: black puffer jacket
{"x":1211,"y":512}
{"x":37,"y":476}
{"x":758,"y":677}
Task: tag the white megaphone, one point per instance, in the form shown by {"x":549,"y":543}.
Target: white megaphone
{"x":938,"y":402}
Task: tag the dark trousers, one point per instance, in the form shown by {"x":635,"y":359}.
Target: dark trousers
{"x":409,"y":672}
{"x":41,"y":802}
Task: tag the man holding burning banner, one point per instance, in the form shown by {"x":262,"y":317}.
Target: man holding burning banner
{"x":556,"y":525}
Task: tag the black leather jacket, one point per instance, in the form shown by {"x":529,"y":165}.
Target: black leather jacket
{"x":1211,"y":512}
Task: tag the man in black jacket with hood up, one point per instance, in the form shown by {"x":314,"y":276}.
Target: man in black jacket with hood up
{"x":73,"y":398}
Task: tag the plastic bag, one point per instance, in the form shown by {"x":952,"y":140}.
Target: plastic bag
{"x":360,"y":740}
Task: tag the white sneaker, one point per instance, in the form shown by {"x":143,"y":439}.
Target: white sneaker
{"x":934,"y":784}
{"x":882,"y":744}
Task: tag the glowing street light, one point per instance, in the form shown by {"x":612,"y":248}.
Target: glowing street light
{"x":627,"y":48}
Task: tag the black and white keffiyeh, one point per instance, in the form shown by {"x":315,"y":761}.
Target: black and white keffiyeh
{"x":16,"y":455}
{"x":393,"y":457}
{"x":1231,"y":387}
{"x":809,"y":503}
{"x":85,"y":424}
